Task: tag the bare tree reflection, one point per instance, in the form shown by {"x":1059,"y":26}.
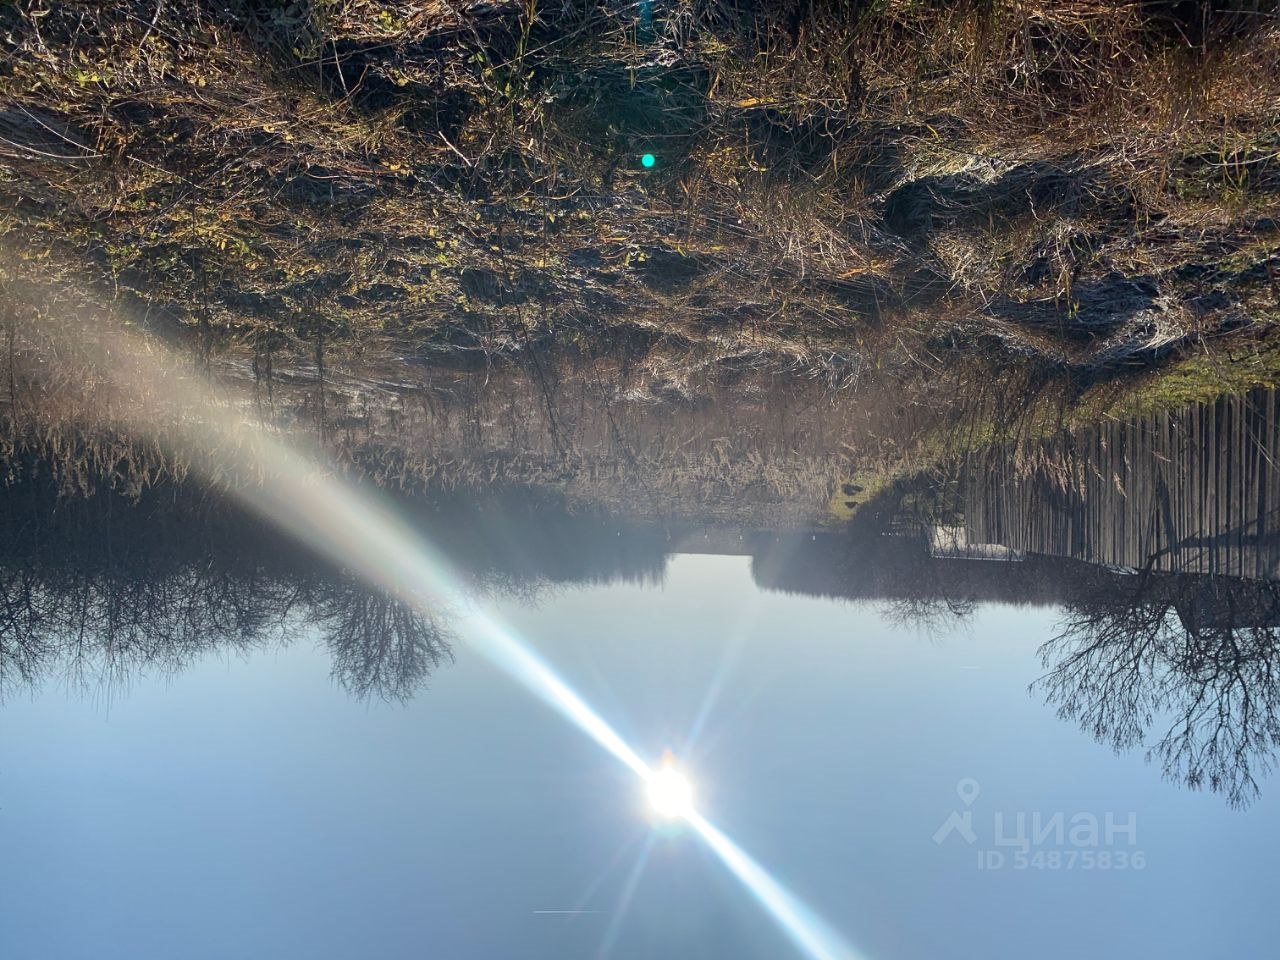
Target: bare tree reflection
{"x":1186,"y":667}
{"x":1194,"y":659}
{"x":103,"y":590}
{"x":380,"y":646}
{"x":102,"y":629}
{"x":929,"y":616}
{"x":26,"y":648}
{"x":99,"y":593}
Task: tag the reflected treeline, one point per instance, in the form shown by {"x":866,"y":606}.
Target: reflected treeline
{"x":865,"y":563}
{"x":99,"y":591}
{"x":1154,"y":538}
{"x":1185,"y":666}
{"x":102,"y":588}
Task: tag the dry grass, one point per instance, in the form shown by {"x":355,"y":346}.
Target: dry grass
{"x":911,"y":197}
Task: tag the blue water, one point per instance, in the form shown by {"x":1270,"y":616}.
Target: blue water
{"x":249,"y":808}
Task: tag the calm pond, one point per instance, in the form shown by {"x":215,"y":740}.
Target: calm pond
{"x":1030,"y":711}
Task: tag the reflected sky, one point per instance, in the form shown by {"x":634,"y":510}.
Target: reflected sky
{"x":248,"y":807}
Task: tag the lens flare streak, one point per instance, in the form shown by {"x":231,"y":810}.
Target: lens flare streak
{"x":805,"y":929}
{"x":347,"y":526}
{"x":344,"y":524}
{"x":358,"y":530}
{"x":522,"y":665}
{"x":629,"y":887}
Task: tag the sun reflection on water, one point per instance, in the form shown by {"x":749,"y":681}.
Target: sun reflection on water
{"x":360,"y":530}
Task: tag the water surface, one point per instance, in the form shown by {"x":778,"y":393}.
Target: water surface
{"x":248,"y":806}
{"x":1022,"y":703}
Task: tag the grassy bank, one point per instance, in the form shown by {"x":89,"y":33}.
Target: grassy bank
{"x":1085,"y":184}
{"x":988,"y":214}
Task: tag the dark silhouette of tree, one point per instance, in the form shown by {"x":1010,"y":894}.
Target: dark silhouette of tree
{"x":104,"y":628}
{"x":26,"y":646}
{"x":1188,"y":667}
{"x":102,"y":590}
{"x":380,"y":645}
{"x":929,"y":616}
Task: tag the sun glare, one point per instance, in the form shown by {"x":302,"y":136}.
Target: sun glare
{"x":362,"y":531}
{"x":670,"y":792}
